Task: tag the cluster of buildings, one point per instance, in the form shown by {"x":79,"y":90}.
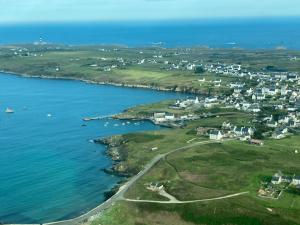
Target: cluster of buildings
{"x":225,"y":69}
{"x":262,"y":94}
{"x":236,"y":70}
{"x":278,"y":184}
{"x":162,"y":118}
{"x":207,"y":102}
{"x":180,"y":65}
{"x":282,"y":124}
{"x":231,"y":131}
{"x":279,"y":178}
{"x":183,"y":104}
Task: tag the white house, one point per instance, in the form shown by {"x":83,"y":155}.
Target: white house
{"x":276,"y":180}
{"x":273,"y":91}
{"x":272,"y":124}
{"x":211,"y":99}
{"x":190,"y":66}
{"x":243,"y":131}
{"x":280,"y":133}
{"x":283,"y":90}
{"x":254,"y":108}
{"x":155,"y":187}
{"x":170,"y":116}
{"x":283,"y":119}
{"x":296,"y":180}
{"x":216,"y":135}
{"x":159,"y":117}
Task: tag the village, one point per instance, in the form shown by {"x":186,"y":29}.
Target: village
{"x":274,"y":100}
{"x":271,"y":95}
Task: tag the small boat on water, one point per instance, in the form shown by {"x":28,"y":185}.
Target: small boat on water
{"x":91,"y":118}
{"x":9,"y":110}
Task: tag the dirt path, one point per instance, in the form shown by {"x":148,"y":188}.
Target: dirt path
{"x":175,"y":201}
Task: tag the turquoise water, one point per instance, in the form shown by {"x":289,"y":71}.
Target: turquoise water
{"x":225,"y":33}
{"x":48,"y":168}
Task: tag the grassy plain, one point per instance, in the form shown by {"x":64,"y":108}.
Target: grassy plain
{"x":210,"y":171}
{"x":89,"y":63}
{"x":137,"y":149}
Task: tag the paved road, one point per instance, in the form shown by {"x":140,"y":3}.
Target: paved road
{"x":120,"y":194}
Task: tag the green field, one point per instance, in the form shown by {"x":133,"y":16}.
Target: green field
{"x":206,"y":171}
{"x":77,"y":62}
{"x":137,"y":147}
{"x":210,"y":171}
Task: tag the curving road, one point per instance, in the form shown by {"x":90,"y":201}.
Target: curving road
{"x":120,"y":194}
{"x":175,"y":201}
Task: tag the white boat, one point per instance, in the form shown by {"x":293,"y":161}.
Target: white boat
{"x":8,"y":110}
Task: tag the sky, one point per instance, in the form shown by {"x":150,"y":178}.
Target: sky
{"x":19,"y":11}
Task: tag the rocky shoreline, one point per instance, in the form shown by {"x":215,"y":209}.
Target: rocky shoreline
{"x":117,"y":153}
{"x":186,"y":90}
{"x":115,"y":144}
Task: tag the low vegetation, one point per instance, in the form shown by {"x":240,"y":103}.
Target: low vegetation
{"x":215,"y":170}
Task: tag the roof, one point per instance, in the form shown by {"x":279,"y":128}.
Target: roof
{"x":215,"y":132}
{"x":296,"y":178}
{"x":286,"y":177}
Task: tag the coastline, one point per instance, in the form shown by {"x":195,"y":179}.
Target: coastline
{"x":111,"y":195}
{"x":116,"y":84}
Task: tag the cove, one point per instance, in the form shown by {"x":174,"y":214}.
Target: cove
{"x":49,"y":170}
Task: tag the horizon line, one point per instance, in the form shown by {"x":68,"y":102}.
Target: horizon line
{"x":145,"y":21}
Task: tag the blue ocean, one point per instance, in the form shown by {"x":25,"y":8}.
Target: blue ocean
{"x":49,"y":169}
{"x":240,"y":33}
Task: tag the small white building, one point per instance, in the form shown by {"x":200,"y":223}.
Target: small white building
{"x":216,"y":135}
{"x":296,"y":180}
{"x":272,"y":124}
{"x":159,"y":117}
{"x":156,"y":187}
{"x":276,"y":180}
{"x":169,"y":116}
